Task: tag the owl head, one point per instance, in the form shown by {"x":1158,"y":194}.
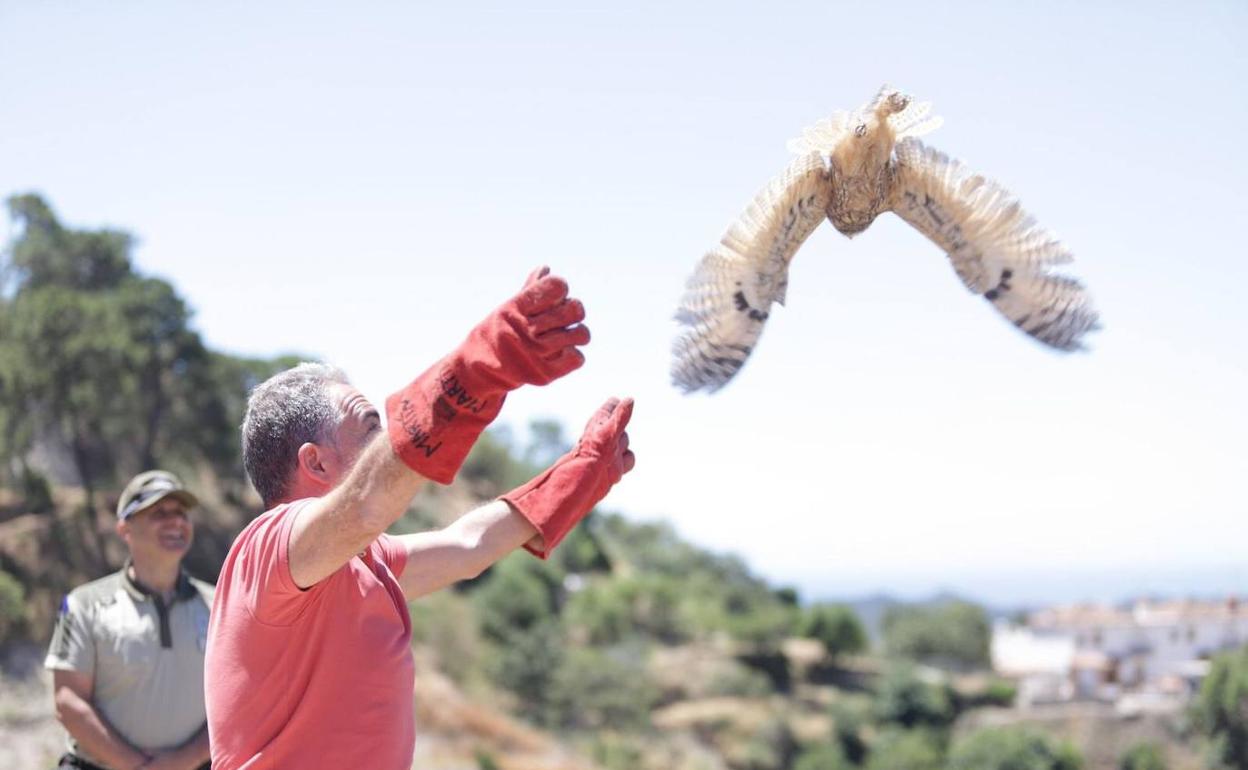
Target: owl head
{"x":891,"y":108}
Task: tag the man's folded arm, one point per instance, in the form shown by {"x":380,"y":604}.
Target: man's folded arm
{"x":72,"y":692}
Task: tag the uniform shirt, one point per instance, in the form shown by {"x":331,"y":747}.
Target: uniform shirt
{"x":321,"y":677}
{"x":146,"y":659}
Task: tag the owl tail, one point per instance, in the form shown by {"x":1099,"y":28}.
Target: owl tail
{"x":721,"y":316}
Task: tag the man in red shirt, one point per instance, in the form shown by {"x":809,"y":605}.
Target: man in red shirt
{"x":309,"y":661}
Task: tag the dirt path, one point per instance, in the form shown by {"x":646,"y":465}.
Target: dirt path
{"x":30,"y":736}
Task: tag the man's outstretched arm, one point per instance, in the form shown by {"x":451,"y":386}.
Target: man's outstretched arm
{"x":463,"y":550}
{"x":537,"y":515}
{"x":533,"y":338}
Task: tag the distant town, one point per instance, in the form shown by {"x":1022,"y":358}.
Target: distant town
{"x":1147,"y":656}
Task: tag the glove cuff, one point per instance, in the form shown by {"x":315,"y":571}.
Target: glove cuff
{"x":434,"y":422}
{"x":556,"y":501}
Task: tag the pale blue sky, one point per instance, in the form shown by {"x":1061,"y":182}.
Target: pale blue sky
{"x":363,"y":181}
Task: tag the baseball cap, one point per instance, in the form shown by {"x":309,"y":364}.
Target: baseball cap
{"x":149,"y":488}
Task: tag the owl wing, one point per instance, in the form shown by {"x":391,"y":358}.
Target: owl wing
{"x":997,"y":249}
{"x":728,"y":298}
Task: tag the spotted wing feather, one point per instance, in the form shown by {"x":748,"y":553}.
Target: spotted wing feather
{"x":997,"y":249}
{"x":728,"y":298}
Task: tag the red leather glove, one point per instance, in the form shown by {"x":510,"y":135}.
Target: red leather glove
{"x":561,"y":496}
{"x":531,"y":339}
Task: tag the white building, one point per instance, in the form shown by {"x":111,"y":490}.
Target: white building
{"x":1088,"y":651}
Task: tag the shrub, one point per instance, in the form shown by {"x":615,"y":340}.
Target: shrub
{"x":12,"y":607}
{"x":739,"y":681}
{"x":1012,"y":749}
{"x":36,"y":492}
{"x":526,"y":664}
{"x":906,"y":750}
{"x":1221,"y":709}
{"x":848,"y":721}
{"x":836,"y":625}
{"x":825,"y":756}
{"x":519,"y":594}
{"x":593,"y":689}
{"x":446,"y":623}
{"x":955,"y":634}
{"x":1142,"y":756}
{"x":904,"y":699}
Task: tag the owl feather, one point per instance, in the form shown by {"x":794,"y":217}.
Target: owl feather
{"x":728,"y":298}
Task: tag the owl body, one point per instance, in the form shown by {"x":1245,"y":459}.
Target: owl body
{"x":860,"y":165}
{"x":857,"y":197}
{"x":850,"y":168}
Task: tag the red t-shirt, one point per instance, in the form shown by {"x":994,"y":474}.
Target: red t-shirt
{"x":315,"y":678}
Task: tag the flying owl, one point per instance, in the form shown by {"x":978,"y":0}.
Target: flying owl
{"x":849,"y":169}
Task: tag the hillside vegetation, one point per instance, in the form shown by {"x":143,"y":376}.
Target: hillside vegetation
{"x":629,"y":648}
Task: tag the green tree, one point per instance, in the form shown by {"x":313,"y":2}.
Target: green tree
{"x":99,"y":362}
{"x":824,"y":756}
{"x":12,"y":606}
{"x":492,"y":467}
{"x":581,"y":551}
{"x":61,"y":363}
{"x":1221,"y":709}
{"x":546,"y":443}
{"x":526,"y":664}
{"x":850,"y":719}
{"x":1012,"y":749}
{"x":837,"y":626}
{"x":1143,"y":756}
{"x":716,"y":593}
{"x":211,"y":406}
{"x":953,"y":633}
{"x":602,"y":612}
{"x":904,"y":698}
{"x":595,"y":689}
{"x":611,"y":610}
{"x":518,"y":594}
{"x":906,"y":750}
{"x":49,"y":254}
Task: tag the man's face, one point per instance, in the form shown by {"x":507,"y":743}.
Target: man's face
{"x":360,"y":423}
{"x":163,"y":530}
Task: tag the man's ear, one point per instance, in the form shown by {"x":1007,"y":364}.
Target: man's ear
{"x":312,"y":463}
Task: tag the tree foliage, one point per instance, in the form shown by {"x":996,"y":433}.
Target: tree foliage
{"x":99,"y":363}
{"x":595,"y":689}
{"x":954,"y":633}
{"x":825,"y":756}
{"x":906,"y":750}
{"x":1221,"y":708}
{"x":520,"y":594}
{"x":837,"y":626}
{"x":906,"y":699}
{"x":12,"y":606}
{"x":1012,"y":749}
{"x":1143,"y":756}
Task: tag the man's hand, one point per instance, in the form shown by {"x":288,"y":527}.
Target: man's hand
{"x":184,"y":758}
{"x":559,"y":498}
{"x":165,"y":762}
{"x":533,"y":338}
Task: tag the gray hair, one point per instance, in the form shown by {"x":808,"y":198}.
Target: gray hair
{"x":283,"y":413}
